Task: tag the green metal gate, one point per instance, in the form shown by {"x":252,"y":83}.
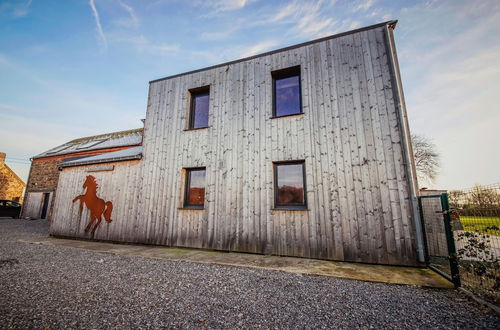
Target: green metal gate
{"x":440,"y":248}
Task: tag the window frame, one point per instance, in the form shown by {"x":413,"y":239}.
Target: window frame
{"x":187,"y":185}
{"x":194,"y":92}
{"x":282,"y":74}
{"x":275,"y":185}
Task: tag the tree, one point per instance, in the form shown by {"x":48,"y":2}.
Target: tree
{"x":426,"y":158}
{"x":484,"y":197}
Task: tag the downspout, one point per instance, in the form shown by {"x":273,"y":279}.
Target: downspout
{"x":25,"y":198}
{"x":408,"y":159}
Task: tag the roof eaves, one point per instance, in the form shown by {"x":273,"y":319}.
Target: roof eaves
{"x":100,"y":161}
{"x":80,"y":140}
{"x":44,"y":155}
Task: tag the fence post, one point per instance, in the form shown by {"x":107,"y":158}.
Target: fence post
{"x":450,"y":240}
{"x":424,"y":231}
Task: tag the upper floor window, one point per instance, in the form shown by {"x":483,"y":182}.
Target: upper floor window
{"x":198,"y":116}
{"x":195,"y":188}
{"x":287,"y":99}
{"x":289,"y":185}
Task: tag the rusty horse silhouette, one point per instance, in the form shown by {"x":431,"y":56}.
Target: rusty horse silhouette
{"x":97,"y":206}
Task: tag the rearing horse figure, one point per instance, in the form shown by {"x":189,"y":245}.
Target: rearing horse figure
{"x":97,"y":206}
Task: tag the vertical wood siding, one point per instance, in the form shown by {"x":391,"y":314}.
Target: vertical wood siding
{"x":118,"y":186}
{"x":349,"y":136}
{"x":32,"y":207}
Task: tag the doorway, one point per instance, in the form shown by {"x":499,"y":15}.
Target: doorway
{"x":45,"y":207}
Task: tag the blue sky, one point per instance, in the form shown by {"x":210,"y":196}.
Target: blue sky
{"x":75,"y":68}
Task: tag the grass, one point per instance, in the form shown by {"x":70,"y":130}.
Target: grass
{"x":479,"y":224}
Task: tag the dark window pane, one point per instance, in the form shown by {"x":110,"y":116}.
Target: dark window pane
{"x":196,"y":189}
{"x":200,"y":110}
{"x":287,"y":96}
{"x":290,"y":184}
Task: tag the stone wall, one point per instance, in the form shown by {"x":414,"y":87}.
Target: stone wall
{"x":44,"y":174}
{"x":11,"y":186}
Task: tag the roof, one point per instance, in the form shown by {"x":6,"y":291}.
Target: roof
{"x":115,"y":156}
{"x":103,"y":141}
{"x":391,"y":24}
{"x":14,"y":174}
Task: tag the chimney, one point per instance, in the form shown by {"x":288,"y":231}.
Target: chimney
{"x":2,"y":158}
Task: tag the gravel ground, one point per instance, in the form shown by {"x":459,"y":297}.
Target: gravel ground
{"x":50,"y":287}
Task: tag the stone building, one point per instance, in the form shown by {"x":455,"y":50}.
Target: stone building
{"x":44,"y":172}
{"x":11,"y":186}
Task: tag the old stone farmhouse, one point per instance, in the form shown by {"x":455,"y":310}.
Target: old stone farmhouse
{"x":11,"y":185}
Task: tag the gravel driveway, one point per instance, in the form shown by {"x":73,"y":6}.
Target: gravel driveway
{"x":50,"y":287}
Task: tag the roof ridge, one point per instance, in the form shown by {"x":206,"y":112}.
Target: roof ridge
{"x":112,"y":134}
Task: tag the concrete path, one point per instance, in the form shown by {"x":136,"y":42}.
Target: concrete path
{"x":365,"y":272}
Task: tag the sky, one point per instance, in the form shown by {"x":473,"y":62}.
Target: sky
{"x":76,"y":68}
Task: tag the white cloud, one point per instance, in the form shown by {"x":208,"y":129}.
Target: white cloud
{"x":99,"y":30}
{"x":23,"y":9}
{"x":308,"y":19}
{"x":16,"y":8}
{"x":218,"y":35}
{"x":258,"y":48}
{"x":363,"y":5}
{"x":285,"y":12}
{"x":133,"y":20}
{"x":227,"y":5}
{"x":143,"y":44}
{"x":387,"y":17}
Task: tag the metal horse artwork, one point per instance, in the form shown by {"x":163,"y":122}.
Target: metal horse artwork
{"x":97,"y":206}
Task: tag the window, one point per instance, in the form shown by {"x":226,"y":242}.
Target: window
{"x":60,"y":148}
{"x":287,"y":99}
{"x":91,"y":144}
{"x":198,"y":117}
{"x":289,"y":184}
{"x":195,"y":188}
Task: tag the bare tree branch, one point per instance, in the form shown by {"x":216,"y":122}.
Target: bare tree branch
{"x":426,"y":158}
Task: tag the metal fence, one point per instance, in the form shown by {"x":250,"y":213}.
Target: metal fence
{"x":475,"y":220}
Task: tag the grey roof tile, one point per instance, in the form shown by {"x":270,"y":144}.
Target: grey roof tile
{"x":114,"y":156}
{"x":103,"y":141}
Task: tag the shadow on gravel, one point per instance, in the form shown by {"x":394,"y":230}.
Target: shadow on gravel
{"x":8,"y":262}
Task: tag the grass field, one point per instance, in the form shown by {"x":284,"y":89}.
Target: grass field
{"x":479,"y":224}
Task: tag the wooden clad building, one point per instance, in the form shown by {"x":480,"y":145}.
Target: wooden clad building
{"x":44,"y":170}
{"x":303,"y":151}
